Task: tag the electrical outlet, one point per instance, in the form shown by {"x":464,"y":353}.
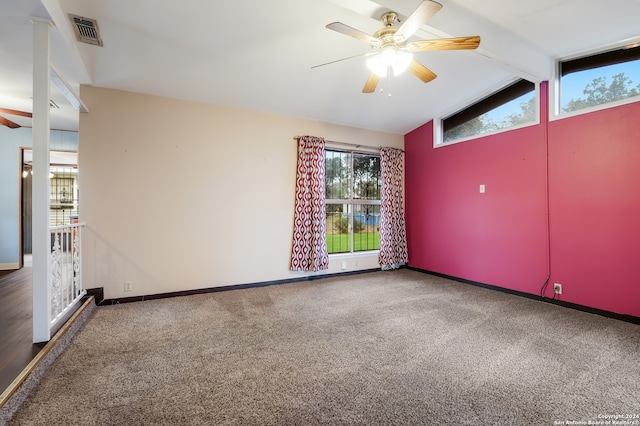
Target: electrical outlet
{"x":557,"y":288}
{"x":127,"y":286}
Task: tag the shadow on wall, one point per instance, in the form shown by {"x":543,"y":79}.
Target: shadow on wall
{"x":111,"y":267}
{"x":116,"y":270}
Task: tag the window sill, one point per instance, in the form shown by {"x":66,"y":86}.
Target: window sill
{"x":356,"y":254}
{"x":595,"y":108}
{"x":492,"y":133}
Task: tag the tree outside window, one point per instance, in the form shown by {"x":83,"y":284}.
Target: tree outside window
{"x":599,"y":79}
{"x":353,"y":188}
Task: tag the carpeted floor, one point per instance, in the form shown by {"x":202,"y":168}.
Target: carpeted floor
{"x":397,"y":347}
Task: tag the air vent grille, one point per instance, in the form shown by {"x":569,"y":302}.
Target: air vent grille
{"x":86,"y":30}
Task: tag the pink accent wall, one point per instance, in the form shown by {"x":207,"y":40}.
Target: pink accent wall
{"x":501,"y":237}
{"x":594,"y":170}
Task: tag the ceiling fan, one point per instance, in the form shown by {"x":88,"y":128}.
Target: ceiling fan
{"x":391,"y":49}
{"x":10,"y":124}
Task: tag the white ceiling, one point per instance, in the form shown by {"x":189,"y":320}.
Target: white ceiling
{"x":258,"y":54}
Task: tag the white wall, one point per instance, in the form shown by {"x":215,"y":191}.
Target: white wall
{"x":180,"y":195}
{"x":11,"y":140}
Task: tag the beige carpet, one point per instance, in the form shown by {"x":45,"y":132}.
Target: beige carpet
{"x":398,"y":347}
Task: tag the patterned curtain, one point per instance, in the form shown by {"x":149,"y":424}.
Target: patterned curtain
{"x":393,"y":234}
{"x":309,"y":252}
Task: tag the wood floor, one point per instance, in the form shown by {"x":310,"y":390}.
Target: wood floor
{"x":16,"y":349}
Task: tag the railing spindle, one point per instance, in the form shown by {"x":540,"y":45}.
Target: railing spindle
{"x":66,"y":268}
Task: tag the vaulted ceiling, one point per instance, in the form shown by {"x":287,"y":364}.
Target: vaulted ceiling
{"x":258,"y":55}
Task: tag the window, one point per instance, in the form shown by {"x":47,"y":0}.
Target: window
{"x":63,"y":190}
{"x":599,"y":79}
{"x":353,"y":188}
{"x":512,"y":106}
{"x":63,"y":186}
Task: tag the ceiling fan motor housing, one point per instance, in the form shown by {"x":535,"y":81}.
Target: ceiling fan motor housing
{"x":386,"y":36}
{"x":389,"y":18}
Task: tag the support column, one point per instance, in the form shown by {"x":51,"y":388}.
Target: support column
{"x":40,"y":197}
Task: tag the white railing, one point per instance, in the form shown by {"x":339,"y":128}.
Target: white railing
{"x":66,"y":270}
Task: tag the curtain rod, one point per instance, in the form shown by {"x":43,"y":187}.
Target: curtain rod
{"x":350,"y":144}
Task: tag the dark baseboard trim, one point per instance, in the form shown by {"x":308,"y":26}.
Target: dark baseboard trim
{"x":97,"y":293}
{"x":231,"y":287}
{"x":622,"y":317}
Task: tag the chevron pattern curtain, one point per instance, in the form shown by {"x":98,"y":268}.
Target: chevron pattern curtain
{"x":393,"y":234}
{"x":309,"y":251}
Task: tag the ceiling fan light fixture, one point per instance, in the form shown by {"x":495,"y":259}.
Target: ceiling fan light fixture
{"x":403,"y":59}
{"x":389,"y":57}
{"x":376,"y":66}
{"x":391,"y":48}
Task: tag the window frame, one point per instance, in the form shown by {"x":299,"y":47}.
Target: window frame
{"x":351,"y":201}
{"x":555,"y":107}
{"x":438,"y":122}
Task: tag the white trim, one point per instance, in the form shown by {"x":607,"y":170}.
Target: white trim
{"x":495,"y":132}
{"x":366,"y":253}
{"x":58,"y":321}
{"x":357,"y":201}
{"x":437,"y":132}
{"x":68,"y":93}
{"x":595,"y":108}
{"x":437,"y":122}
{"x":40,"y":196}
{"x":629,"y":42}
{"x":538,"y":95}
{"x":349,"y":147}
{"x":555,"y":87}
{"x":554,"y":92}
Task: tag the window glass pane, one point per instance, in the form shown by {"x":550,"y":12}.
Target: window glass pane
{"x":366,"y":174}
{"x":63,"y":195}
{"x":337,"y":175}
{"x":353,"y":191}
{"x":338,"y":238}
{"x":599,"y":85}
{"x":366,"y":227}
{"x":512,"y":106}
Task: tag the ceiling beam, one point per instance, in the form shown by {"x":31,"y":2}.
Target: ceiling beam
{"x":67,"y":92}
{"x":501,"y":46}
{"x":62,"y":23}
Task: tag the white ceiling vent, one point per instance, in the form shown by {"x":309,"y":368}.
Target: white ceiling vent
{"x":86,"y":30}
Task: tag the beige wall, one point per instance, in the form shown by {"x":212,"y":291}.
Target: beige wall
{"x":180,"y":195}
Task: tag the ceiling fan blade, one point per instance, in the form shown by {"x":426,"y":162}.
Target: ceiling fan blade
{"x":458,"y":43}
{"x":352,"y":32}
{"x":10,"y":124}
{"x":15,"y":112}
{"x":422,"y":72}
{"x":343,"y":59}
{"x":422,"y":14}
{"x":370,"y":85}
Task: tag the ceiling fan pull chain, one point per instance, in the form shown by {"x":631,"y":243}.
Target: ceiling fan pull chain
{"x":389,"y":76}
